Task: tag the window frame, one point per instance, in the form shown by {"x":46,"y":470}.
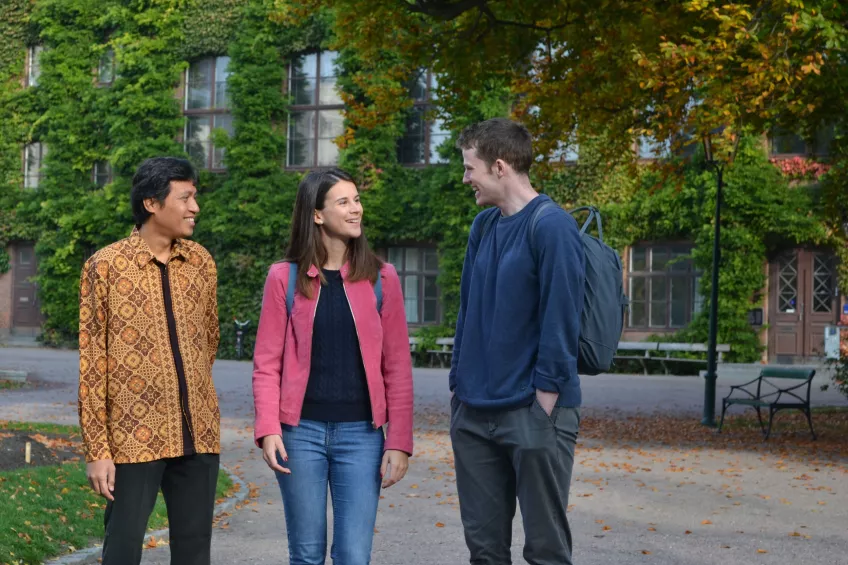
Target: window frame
{"x":693,"y":301}
{"x":39,"y":175}
{"x":422,"y":273}
{"x":315,"y":108}
{"x":424,"y":106}
{"x":212,"y":113}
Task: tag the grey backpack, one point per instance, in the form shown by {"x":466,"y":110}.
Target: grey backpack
{"x":604,"y":302}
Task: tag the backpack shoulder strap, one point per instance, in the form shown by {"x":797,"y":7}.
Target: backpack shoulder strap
{"x":534,"y":220}
{"x":488,"y":222}
{"x":291,"y":288}
{"x":378,"y":292}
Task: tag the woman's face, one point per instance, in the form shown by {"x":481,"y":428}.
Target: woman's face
{"x":342,"y":213}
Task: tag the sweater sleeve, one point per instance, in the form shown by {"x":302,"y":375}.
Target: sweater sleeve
{"x":561,"y":267}
{"x":474,"y":238}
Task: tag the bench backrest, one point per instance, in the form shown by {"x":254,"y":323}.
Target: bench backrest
{"x":444,"y":341}
{"x":787,"y":373}
{"x":694,"y":347}
{"x":638,"y":346}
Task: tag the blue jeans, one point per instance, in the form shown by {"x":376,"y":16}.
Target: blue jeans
{"x":347,"y":456}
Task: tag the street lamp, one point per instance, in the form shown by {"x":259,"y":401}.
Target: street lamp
{"x":710,"y":377}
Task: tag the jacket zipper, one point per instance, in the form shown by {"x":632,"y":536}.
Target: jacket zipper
{"x":358,"y":343}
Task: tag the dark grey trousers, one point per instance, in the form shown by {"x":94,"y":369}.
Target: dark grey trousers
{"x":520,"y":453}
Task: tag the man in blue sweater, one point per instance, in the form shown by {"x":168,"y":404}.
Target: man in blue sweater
{"x":515,"y":390}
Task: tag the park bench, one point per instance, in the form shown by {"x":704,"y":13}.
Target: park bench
{"x":772,"y":395}
{"x":443,"y":352}
{"x":414,"y":342}
{"x":644,"y":352}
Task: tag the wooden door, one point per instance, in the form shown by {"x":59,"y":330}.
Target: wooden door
{"x":27,"y":310}
{"x":802,"y":301}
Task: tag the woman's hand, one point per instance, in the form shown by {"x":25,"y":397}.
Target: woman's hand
{"x":395,"y":463}
{"x":271,"y":445}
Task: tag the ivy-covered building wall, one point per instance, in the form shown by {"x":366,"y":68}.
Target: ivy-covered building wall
{"x":90,"y":88}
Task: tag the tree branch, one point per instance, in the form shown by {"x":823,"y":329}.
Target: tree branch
{"x":446,"y":10}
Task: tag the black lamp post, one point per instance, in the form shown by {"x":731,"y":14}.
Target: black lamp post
{"x":710,"y":377}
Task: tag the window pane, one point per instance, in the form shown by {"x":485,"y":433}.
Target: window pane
{"x":680,"y":260}
{"x":411,"y":150}
{"x":34,"y":65}
{"x":412,"y":259}
{"x":637,"y":288}
{"x":788,"y":143}
{"x":302,"y":125}
{"x":823,"y":139}
{"x":638,"y":259}
{"x":418,"y":86}
{"x":659,"y":314}
{"x":659,"y":259}
{"x":430,"y":312}
{"x":679,"y":288}
{"x":224,"y":122}
{"x":410,"y":298}
{"x":199,"y":85}
{"x":638,"y":319}
{"x":303,"y":76}
{"x":328,"y":91}
{"x":678,"y":314}
{"x":34,"y":154}
{"x":102,"y":173}
{"x":697,"y":296}
{"x":329,"y":64}
{"x":431,"y":260}
{"x":396,"y":257}
{"x":430,"y":288}
{"x":304,"y":66}
{"x":438,"y":135}
{"x":301,"y":153}
{"x":328,"y":153}
{"x":648,"y":148}
{"x":106,"y":68}
{"x":658,"y":288}
{"x":330,"y":126}
{"x":411,"y":145}
{"x":302,"y":91}
{"x":222,"y":73}
{"x":198,"y":129}
{"x":680,"y":294}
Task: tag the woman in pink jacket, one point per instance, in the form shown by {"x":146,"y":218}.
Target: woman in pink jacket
{"x":331,"y":368}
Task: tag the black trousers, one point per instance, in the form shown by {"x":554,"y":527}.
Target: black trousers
{"x":188,"y":484}
{"x":504,"y":455}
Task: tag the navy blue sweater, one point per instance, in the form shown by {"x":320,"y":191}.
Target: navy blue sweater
{"x":519,"y":317}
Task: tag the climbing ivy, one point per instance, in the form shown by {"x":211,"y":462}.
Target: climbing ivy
{"x":246,"y":213}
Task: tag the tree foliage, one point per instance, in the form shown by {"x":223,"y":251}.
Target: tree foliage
{"x":668,"y":70}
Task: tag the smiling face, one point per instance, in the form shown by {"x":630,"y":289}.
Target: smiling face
{"x":341,"y":216}
{"x":488,"y":187}
{"x":174,"y":217}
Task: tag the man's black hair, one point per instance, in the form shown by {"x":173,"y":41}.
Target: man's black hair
{"x":153,"y":179}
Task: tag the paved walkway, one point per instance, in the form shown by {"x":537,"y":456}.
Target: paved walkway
{"x":631,"y":503}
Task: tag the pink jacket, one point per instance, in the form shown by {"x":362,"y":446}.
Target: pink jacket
{"x":282,"y":356}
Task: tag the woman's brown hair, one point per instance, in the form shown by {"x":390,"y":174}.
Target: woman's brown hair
{"x":306,"y":247}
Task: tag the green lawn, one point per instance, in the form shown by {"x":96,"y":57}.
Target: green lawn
{"x":48,"y":511}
